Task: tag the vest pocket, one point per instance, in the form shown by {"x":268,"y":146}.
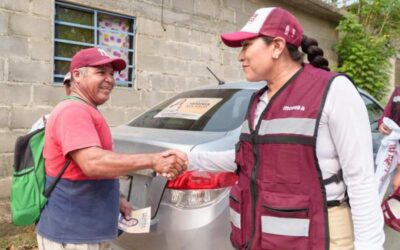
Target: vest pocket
{"x":235,"y":210}
{"x":285,"y":221}
{"x":282,"y":163}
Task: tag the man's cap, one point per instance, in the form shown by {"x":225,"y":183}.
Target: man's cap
{"x":391,"y":210}
{"x":95,"y":57}
{"x":67,"y":78}
{"x":271,"y":22}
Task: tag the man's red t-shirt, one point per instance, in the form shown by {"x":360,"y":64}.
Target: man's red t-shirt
{"x":73,"y":125}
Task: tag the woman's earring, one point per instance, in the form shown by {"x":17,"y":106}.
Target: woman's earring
{"x":275,"y":56}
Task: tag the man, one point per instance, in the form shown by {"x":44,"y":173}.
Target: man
{"x":82,"y":211}
{"x":42,"y":120}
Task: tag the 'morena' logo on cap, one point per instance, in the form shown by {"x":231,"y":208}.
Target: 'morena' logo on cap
{"x":103,"y":52}
{"x":252,"y":18}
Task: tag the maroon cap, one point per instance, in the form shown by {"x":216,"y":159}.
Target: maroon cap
{"x":272,"y":22}
{"x":95,"y":57}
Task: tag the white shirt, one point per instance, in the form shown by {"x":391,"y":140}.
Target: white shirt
{"x":344,"y":141}
{"x":40,"y":123}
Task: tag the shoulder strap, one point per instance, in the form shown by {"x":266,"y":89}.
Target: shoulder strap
{"x":50,"y":189}
{"x":338,"y":177}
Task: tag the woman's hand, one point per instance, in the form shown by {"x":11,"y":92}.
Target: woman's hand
{"x":396,"y":179}
{"x":384,"y":129}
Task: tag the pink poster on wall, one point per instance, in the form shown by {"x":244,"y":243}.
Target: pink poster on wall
{"x":116,"y":42}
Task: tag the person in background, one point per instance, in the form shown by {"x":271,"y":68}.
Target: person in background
{"x":41,"y":122}
{"x":392,"y":111}
{"x":82,"y":211}
{"x":305,"y":149}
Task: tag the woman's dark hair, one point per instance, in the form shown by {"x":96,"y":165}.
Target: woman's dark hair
{"x":315,"y":54}
{"x":309,"y":46}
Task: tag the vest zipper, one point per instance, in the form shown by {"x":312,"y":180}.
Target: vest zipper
{"x":253,"y":190}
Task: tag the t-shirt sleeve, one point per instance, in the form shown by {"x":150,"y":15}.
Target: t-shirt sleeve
{"x":76,"y":129}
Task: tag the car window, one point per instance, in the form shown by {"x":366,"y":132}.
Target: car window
{"x":374,"y":111}
{"x":199,"y":110}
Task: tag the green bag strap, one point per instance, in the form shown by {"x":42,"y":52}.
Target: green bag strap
{"x":53,"y":185}
{"x":77,"y":98}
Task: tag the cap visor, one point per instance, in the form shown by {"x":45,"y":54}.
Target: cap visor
{"x":235,"y":39}
{"x":118,"y":64}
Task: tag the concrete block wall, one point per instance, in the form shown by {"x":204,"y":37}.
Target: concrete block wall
{"x":174,"y":44}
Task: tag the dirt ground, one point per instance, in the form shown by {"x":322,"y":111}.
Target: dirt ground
{"x":14,"y":237}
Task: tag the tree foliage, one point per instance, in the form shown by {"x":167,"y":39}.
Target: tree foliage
{"x":367,"y":42}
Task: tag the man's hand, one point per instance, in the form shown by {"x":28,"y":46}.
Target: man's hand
{"x":384,"y":129}
{"x":125,"y":207}
{"x":170,"y":163}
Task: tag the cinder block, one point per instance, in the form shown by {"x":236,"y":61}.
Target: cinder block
{"x":2,"y":69}
{"x":152,"y":98}
{"x":160,"y":82}
{"x":179,"y":34}
{"x":42,"y":7}
{"x":6,"y":165}
{"x":230,"y":57}
{"x":15,"y":94}
{"x":234,"y":4}
{"x":15,"y":5}
{"x":143,"y":82}
{"x":208,"y":8}
{"x":214,"y":52}
{"x":198,"y":69}
{"x":24,"y":118}
{"x":232,"y":73}
{"x":176,"y":67}
{"x":250,"y":7}
{"x":227,"y":14}
{"x":4,"y":116}
{"x":150,"y":63}
{"x":48,"y":95}
{"x":3,"y":22}
{"x":5,"y":190}
{"x":149,"y":45}
{"x":170,"y":49}
{"x":125,"y":97}
{"x":149,"y":27}
{"x":42,"y":50}
{"x":29,"y":71}
{"x":11,"y":46}
{"x":30,"y":26}
{"x":241,"y":19}
{"x":113,"y":116}
{"x":8,"y":139}
{"x":190,"y":52}
{"x":199,"y":37}
{"x":183,"y":5}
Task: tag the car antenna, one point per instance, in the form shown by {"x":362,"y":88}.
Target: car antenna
{"x":220,"y":82}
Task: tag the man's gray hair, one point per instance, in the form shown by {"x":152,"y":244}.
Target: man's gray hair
{"x":82,"y":71}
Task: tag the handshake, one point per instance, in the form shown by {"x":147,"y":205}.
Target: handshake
{"x":170,"y":163}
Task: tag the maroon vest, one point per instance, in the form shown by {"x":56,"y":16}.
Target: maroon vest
{"x":280,"y":200}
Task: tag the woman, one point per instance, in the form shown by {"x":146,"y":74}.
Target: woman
{"x":305,"y":147}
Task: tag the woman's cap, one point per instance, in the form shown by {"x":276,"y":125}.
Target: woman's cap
{"x":271,"y":22}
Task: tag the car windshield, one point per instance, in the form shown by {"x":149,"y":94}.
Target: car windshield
{"x":199,"y":110}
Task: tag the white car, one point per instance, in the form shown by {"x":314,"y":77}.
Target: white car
{"x":192,"y":212}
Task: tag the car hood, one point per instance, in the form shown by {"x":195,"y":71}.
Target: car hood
{"x":129,"y":139}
